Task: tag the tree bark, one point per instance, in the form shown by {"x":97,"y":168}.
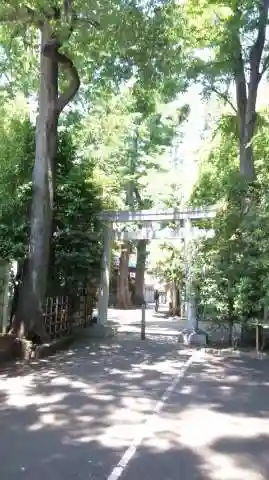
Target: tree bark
{"x":246,"y":93}
{"x":140,"y":272}
{"x":29,"y":316}
{"x":178,"y":302}
{"x":246,"y":105}
{"x":33,"y":289}
{"x":123,"y":293}
{"x":175,"y":299}
{"x":230,"y":332}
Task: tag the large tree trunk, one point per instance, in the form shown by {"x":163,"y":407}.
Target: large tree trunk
{"x":123,"y":293}
{"x":247,"y":124}
{"x":28,"y":318}
{"x":140,"y":272}
{"x":246,"y":108}
{"x":29,"y":312}
{"x":246,"y":91}
{"x":174,"y":304}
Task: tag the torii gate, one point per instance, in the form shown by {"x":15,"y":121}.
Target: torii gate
{"x":145,"y":216}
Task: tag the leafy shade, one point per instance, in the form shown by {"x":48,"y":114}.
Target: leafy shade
{"x":230,"y":47}
{"x":77,"y":240}
{"x":171,"y":267}
{"x":126,"y":144}
{"x":76,"y":245}
{"x":231,"y":270}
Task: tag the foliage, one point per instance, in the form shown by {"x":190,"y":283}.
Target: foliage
{"x":76,"y":245}
{"x":77,"y":241}
{"x":219,"y":166}
{"x":170,"y":268}
{"x":17,"y":145}
{"x":230,"y":47}
{"x":224,"y":29}
{"x":126,"y":145}
{"x":231,"y":270}
{"x":112,"y":41}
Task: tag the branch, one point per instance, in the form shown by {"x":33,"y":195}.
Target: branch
{"x":24,"y":14}
{"x":87,"y":21}
{"x":240,"y":83}
{"x":50,"y":50}
{"x":138,"y":196}
{"x":224,"y":97}
{"x":258,"y":46}
{"x":265,"y":65}
{"x":28,"y":14}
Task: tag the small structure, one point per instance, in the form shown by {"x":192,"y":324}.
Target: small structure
{"x":183,"y":217}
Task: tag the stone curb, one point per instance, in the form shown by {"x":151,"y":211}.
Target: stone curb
{"x":235,"y":352}
{"x":50,"y":348}
{"x":93,"y":332}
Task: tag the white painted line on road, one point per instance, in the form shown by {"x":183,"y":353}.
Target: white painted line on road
{"x":118,"y":471}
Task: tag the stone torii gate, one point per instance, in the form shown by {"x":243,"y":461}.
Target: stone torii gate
{"x":111,"y":218}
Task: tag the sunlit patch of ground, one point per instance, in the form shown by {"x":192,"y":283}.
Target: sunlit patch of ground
{"x":227,"y":440}
{"x":73,"y":416}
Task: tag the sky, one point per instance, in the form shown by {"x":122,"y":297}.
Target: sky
{"x":191,"y":146}
{"x":189,"y":150}
{"x":192,"y":143}
{"x":192,"y":131}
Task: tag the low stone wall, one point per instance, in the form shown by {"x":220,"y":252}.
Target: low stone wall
{"x":220,"y":333}
{"x":12,"y":348}
{"x":216,"y":333}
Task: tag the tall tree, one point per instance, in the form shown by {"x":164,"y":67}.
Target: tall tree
{"x":110,"y":54}
{"x":126,"y":138}
{"x":51,"y":104}
{"x":76,"y":235}
{"x":231,"y":48}
{"x":170,"y":269}
{"x":162,"y":130}
{"x":231,"y":270}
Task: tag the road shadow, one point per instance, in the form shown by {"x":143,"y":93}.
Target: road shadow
{"x":234,"y":384}
{"x":173,"y":463}
{"x":248,"y":453}
{"x":74,"y":414}
{"x":223,"y":413}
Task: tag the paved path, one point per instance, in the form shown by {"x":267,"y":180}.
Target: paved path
{"x":156,"y":323}
{"x":129,"y":409}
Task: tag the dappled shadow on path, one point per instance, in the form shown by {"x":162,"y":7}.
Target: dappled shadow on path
{"x":248,"y":453}
{"x":74,"y":415}
{"x":231,"y":384}
{"x":173,"y":462}
{"x":224,"y":415}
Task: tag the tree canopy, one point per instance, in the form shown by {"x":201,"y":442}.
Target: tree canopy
{"x":76,"y":240}
{"x":231,"y":269}
{"x":99,"y":78}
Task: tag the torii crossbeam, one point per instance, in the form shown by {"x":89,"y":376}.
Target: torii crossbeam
{"x":144,"y":216}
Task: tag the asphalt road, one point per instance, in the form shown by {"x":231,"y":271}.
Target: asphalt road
{"x":128,"y":409}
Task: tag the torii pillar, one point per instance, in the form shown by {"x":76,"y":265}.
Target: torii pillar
{"x":190,"y":310}
{"x":105,"y":275}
